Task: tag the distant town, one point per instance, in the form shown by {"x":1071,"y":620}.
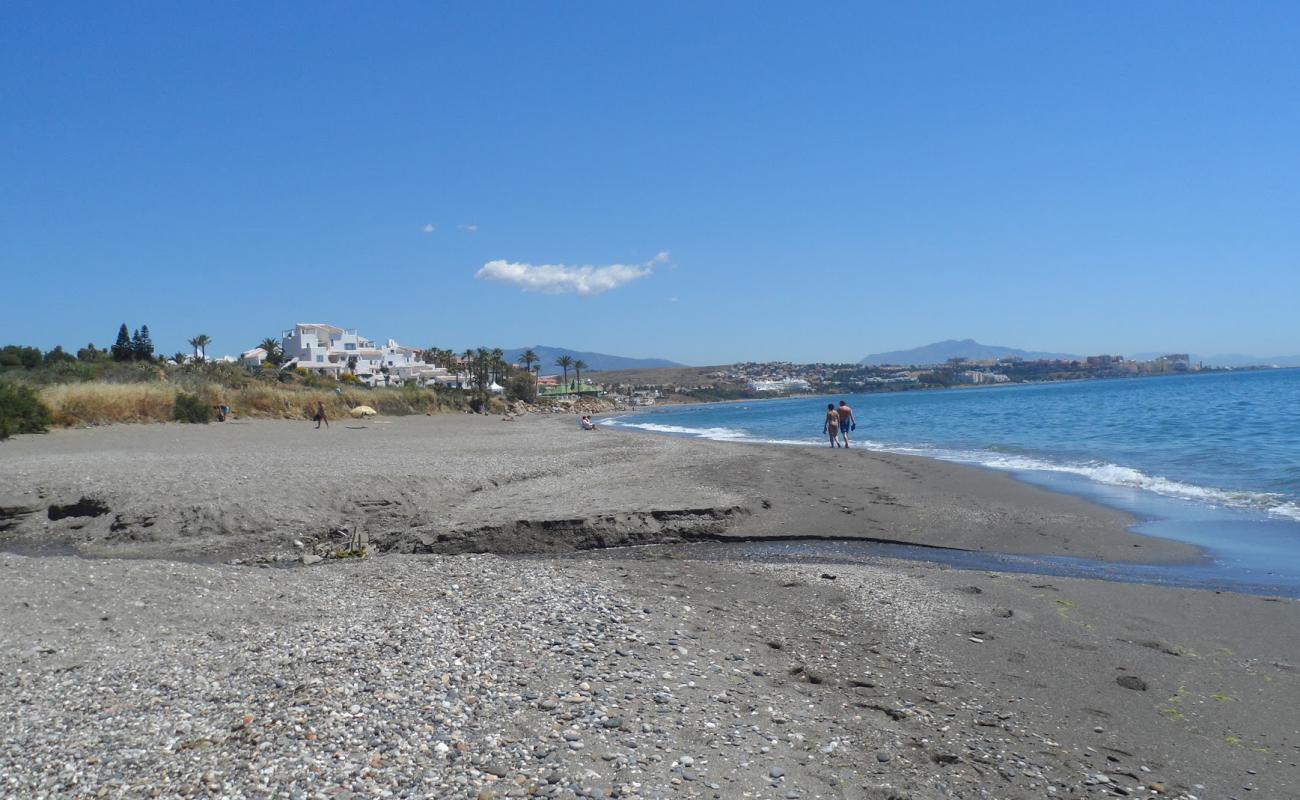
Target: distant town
{"x":324,"y":356}
{"x":776,"y":379}
{"x":345,"y":354}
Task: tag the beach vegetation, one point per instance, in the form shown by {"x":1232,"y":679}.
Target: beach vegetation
{"x":191,"y":408}
{"x":121,"y":349}
{"x":134,"y":346}
{"x":21,"y":411}
{"x":564,"y":362}
{"x":522,"y":386}
{"x":142,"y":344}
{"x":18,"y":356}
{"x":96,"y":388}
{"x":200,"y":344}
{"x":59,"y":356}
{"x":274,"y":353}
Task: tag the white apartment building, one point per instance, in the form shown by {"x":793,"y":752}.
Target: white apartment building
{"x":335,"y":351}
{"x":978,"y":377}
{"x":781,"y":385}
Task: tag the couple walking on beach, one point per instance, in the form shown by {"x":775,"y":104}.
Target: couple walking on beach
{"x":839,"y":421}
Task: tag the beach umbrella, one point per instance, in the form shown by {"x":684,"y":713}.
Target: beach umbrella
{"x":363,"y":411}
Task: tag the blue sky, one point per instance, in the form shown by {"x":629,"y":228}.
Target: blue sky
{"x":1082,"y":177}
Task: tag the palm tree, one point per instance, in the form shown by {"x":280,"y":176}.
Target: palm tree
{"x":578,"y":367}
{"x":273,"y":353}
{"x":467,"y":362}
{"x":499,"y":364}
{"x":529,"y":358}
{"x":200,"y":344}
{"x":482,"y":369}
{"x":565,"y":362}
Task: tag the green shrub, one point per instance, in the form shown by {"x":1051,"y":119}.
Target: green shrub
{"x":521,"y":387}
{"x":191,"y":408}
{"x":21,"y":411}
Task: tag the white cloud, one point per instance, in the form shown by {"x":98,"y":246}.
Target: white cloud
{"x":562,"y":279}
{"x":470,"y":228}
{"x":428,"y":228}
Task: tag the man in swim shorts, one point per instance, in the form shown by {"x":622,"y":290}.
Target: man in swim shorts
{"x":847,"y":422}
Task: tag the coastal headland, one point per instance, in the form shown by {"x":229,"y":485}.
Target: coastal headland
{"x":495,"y":645}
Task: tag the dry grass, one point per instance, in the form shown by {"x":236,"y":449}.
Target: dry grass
{"x":98,"y":403}
{"x":103,"y":403}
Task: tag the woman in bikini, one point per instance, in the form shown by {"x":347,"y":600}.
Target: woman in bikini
{"x":832,"y":424}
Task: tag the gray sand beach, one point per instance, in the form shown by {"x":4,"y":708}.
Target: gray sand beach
{"x":154,"y":643}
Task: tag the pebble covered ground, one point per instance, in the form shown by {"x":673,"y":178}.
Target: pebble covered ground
{"x":485,"y":677}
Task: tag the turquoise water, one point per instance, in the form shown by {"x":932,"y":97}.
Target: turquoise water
{"x":1210,"y":459}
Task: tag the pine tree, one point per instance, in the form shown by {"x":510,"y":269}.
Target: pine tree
{"x":122,"y":347}
{"x":136,"y":346}
{"x":142,"y":345}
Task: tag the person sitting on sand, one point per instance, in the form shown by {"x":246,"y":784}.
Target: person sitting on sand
{"x":832,"y":424}
{"x":320,"y":415}
{"x":847,"y":422}
{"x":587,"y":424}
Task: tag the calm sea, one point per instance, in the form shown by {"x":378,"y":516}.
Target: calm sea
{"x":1212,"y":459}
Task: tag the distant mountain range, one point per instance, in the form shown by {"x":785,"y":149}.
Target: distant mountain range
{"x":940,"y":352}
{"x":596,"y":362}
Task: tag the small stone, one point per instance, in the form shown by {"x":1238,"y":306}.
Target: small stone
{"x":1132,"y":682}
{"x":883,"y":757}
{"x":775,"y":773}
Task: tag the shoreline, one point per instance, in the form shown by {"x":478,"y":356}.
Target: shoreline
{"x":1161,"y":508}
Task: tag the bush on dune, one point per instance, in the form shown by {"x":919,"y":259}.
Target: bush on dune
{"x":21,"y":411}
{"x":191,"y":408}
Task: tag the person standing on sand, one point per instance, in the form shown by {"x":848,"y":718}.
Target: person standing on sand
{"x":847,"y":422}
{"x":320,"y":415}
{"x":832,"y":424}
